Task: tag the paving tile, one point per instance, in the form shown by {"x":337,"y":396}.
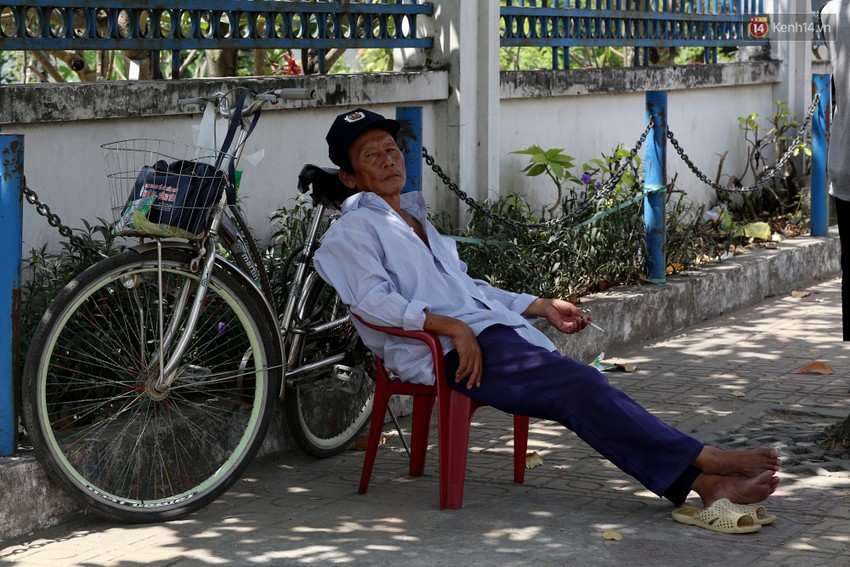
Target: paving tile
{"x":298,"y":510}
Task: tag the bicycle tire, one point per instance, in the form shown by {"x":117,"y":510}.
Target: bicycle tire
{"x":324,"y":420}
{"x":94,"y":420}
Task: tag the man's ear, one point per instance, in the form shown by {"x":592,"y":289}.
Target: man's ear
{"x":348,"y":179}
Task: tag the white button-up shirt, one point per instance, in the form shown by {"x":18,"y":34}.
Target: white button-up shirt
{"x":388,"y":276}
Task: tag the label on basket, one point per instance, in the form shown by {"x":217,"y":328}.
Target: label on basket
{"x":165,"y":193}
{"x":172,"y":200}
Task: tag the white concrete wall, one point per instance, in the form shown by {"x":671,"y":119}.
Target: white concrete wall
{"x":583,"y":126}
{"x":593,"y":111}
{"x":706,"y":124}
{"x":64,"y":162}
{"x":586,"y":114}
{"x":704,"y":121}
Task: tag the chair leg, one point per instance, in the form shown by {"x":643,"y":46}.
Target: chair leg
{"x":520,"y":446}
{"x":376,"y":427}
{"x":443,"y":436}
{"x":423,"y":408}
{"x":457,"y":441}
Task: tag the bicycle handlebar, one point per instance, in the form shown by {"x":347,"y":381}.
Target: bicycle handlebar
{"x":296,"y":93}
{"x":260,"y":99}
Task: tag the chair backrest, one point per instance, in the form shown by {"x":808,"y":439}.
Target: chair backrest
{"x":427,"y":337}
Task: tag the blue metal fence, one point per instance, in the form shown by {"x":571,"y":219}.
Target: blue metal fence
{"x":293,"y":24}
{"x":210,"y":24}
{"x":561,"y":24}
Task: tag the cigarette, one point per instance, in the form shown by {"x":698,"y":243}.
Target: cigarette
{"x":597,"y":327}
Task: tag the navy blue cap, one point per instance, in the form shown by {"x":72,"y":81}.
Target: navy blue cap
{"x":348,"y":126}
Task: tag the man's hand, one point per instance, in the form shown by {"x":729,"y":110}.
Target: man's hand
{"x":470,"y":357}
{"x":561,"y":314}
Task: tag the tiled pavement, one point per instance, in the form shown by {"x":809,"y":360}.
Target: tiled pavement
{"x":730,"y":381}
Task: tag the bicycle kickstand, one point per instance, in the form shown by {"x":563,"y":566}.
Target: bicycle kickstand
{"x":398,"y":428}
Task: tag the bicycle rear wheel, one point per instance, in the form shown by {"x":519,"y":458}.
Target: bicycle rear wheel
{"x":328,"y":410}
{"x":95,"y":420}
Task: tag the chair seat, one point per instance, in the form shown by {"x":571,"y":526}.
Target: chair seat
{"x":454,"y":419}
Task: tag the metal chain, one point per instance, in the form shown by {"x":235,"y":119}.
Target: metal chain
{"x":52,"y":218}
{"x":765,"y":178}
{"x":573,"y":215}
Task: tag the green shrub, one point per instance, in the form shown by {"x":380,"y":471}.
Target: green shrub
{"x":576,"y":258}
{"x":781,"y":198}
{"x":46,"y":273}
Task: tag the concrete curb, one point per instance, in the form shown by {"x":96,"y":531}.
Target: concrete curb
{"x":630,"y":315}
{"x":637,"y":314}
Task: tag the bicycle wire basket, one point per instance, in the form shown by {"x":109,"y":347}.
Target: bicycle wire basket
{"x":160,"y":188}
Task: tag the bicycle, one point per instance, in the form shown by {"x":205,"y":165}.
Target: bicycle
{"x":151,"y":379}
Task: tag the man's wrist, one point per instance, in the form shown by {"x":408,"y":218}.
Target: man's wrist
{"x":537,"y":308}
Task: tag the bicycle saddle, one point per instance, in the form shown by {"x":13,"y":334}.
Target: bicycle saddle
{"x":324,"y":185}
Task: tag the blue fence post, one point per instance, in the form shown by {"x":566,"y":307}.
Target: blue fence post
{"x":11,"y":213}
{"x":655,"y":184}
{"x":410,"y":140}
{"x":820,"y":203}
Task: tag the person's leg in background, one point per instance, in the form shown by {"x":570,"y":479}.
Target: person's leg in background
{"x":842,"y":212}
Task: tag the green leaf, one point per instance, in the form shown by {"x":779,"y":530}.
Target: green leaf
{"x":557,"y":170}
{"x":535,"y":170}
{"x":564,"y":160}
{"x":530,"y":151}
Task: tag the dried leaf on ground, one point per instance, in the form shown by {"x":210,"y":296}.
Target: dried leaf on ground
{"x":533,"y":460}
{"x":612,"y":535}
{"x":800,"y":294}
{"x":815,"y":367}
{"x":360,"y":443}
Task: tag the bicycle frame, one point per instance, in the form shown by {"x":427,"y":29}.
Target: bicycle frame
{"x":292,"y":335}
{"x":224,"y":230}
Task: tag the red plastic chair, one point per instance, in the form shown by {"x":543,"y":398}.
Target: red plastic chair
{"x":454,"y":418}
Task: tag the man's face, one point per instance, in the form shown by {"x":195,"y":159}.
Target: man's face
{"x":378,"y":164}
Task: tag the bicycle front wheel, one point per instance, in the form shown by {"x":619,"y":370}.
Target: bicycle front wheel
{"x":97,"y":423}
{"x":330,"y":407}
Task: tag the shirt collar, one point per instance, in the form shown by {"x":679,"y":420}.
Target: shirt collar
{"x":412,"y":202}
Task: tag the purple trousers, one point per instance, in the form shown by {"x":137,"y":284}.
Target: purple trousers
{"x":524,"y":379}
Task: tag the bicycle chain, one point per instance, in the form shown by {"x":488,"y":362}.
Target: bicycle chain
{"x":765,"y":178}
{"x":575,"y":214}
{"x":52,"y":218}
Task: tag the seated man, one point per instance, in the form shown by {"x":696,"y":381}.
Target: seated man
{"x":392,"y":267}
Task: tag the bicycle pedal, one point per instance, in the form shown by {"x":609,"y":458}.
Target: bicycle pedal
{"x":347,"y":378}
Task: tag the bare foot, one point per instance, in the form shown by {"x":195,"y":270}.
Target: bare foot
{"x":738,"y":489}
{"x":751,"y":463}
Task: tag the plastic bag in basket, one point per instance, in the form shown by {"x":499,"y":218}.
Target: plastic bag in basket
{"x":172,"y":200}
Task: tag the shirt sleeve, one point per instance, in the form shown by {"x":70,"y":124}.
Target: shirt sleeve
{"x":349,"y":260}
